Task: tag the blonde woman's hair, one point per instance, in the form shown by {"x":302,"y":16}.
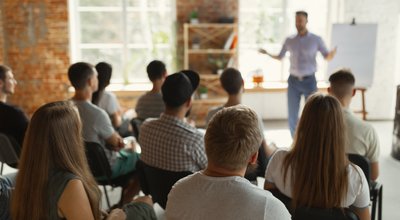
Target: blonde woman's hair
{"x":232,"y":136}
{"x":318,"y":160}
{"x":53,"y":142}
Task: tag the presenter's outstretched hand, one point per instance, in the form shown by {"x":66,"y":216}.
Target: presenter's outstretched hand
{"x":262,"y":51}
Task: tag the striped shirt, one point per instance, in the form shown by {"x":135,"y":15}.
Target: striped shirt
{"x":169,"y":143}
{"x":150,"y":105}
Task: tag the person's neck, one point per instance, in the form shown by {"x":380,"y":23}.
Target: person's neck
{"x":82,"y":95}
{"x":345,"y":103}
{"x":215,"y":171}
{"x":234,"y":100}
{"x":156,"y":87}
{"x":178,"y":113}
{"x":303,"y":32}
{"x":3,"y":97}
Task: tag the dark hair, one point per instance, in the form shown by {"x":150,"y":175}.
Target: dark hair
{"x":104,"y":72}
{"x":305,"y":14}
{"x":79,"y":73}
{"x":342,"y":83}
{"x":155,"y":70}
{"x":3,"y":70}
{"x":231,"y":80}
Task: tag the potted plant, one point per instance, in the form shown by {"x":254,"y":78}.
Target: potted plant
{"x":218,"y":64}
{"x":203,"y":92}
{"x":194,"y":17}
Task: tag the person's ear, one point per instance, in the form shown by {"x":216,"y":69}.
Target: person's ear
{"x":329,"y":90}
{"x":353,"y":93}
{"x":188,"y":103}
{"x":253,"y":158}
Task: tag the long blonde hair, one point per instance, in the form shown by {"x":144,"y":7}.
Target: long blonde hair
{"x":317,"y":159}
{"x":53,"y":142}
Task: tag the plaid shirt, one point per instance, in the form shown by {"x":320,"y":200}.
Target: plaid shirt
{"x":169,"y":143}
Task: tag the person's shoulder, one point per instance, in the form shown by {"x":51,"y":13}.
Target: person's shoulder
{"x":312,"y":35}
{"x":186,"y":182}
{"x":150,"y":123}
{"x":280,"y":153}
{"x":11,"y":108}
{"x":357,"y":123}
{"x":109,"y":95}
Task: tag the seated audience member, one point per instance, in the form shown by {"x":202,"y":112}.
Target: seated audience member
{"x":170,"y":143}
{"x":151,"y":105}
{"x":57,"y":183}
{"x":362,"y":138}
{"x":232,"y":82}
{"x":232,"y":140}
{"x":13,"y":120}
{"x":104,"y":99}
{"x":7,"y":184}
{"x":97,"y":125}
{"x":316,"y":172}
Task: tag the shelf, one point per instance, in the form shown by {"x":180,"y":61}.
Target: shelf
{"x":211,"y":51}
{"x":211,"y":25}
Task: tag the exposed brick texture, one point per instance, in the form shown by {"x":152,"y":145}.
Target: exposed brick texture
{"x":36,"y":47}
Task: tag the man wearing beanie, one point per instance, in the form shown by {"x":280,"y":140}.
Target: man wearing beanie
{"x":169,"y":142}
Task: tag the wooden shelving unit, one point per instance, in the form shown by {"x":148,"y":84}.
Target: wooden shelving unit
{"x":212,"y":38}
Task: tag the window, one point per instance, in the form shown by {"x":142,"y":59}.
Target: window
{"x":266,"y":24}
{"x":126,"y":33}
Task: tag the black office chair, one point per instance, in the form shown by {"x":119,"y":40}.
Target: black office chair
{"x":262,"y":162}
{"x":308,"y":213}
{"x":7,"y":152}
{"x":158,"y":182}
{"x":375,"y":188}
{"x":136,"y":123}
{"x":100,"y":167}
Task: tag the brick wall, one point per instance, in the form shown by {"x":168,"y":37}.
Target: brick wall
{"x":1,"y":35}
{"x":36,"y":47}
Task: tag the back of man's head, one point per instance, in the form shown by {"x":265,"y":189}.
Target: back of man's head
{"x":179,"y":87}
{"x":3,"y":72}
{"x":155,"y":70}
{"x":232,"y":137}
{"x":232,"y":81}
{"x":342,"y":83}
{"x":79,"y":74}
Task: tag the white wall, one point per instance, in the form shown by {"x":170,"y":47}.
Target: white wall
{"x":380,"y":98}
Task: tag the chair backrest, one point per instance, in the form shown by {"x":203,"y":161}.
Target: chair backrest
{"x":306,"y":213}
{"x":158,"y":182}
{"x":97,"y":160}
{"x":136,"y":123}
{"x":363,"y":163}
{"x":7,"y":151}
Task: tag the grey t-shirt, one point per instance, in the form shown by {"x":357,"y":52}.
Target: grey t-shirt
{"x":150,"y":105}
{"x":204,"y":197}
{"x":96,"y":126}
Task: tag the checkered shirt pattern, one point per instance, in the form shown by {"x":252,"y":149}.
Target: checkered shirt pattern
{"x":169,"y":143}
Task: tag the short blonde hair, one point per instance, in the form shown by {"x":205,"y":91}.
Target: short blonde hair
{"x":232,"y":136}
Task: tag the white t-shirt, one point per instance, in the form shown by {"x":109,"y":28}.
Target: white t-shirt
{"x":108,"y":101}
{"x":362,"y":137}
{"x":217,"y":198}
{"x":358,"y":190}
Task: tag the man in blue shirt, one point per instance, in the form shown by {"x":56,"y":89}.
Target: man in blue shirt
{"x":303,"y":48}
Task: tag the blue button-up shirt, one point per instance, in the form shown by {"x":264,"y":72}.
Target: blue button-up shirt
{"x":303,"y":51}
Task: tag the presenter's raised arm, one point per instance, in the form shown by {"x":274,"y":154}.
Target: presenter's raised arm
{"x":331,"y":54}
{"x":263,"y":51}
